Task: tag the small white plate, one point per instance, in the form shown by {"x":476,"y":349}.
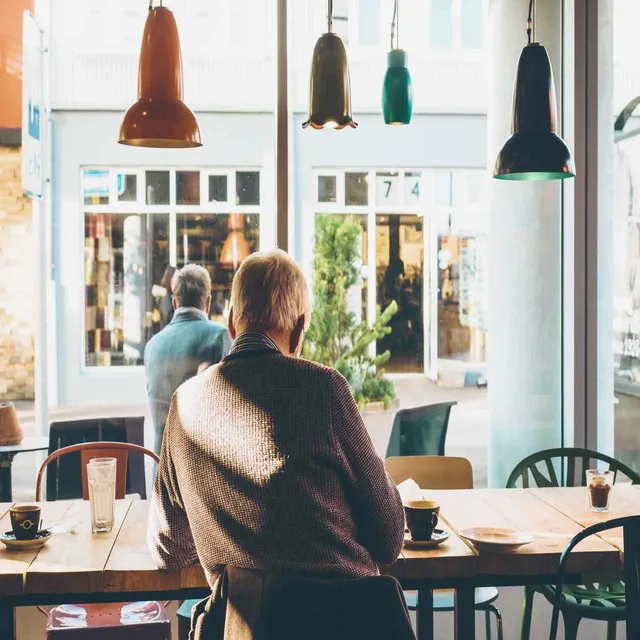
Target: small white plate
{"x":438,"y":537}
{"x":9,"y":541}
{"x":496,"y":540}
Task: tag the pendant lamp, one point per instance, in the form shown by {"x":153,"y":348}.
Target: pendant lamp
{"x":160,"y":118}
{"x":534,"y":151}
{"x":235,"y":248}
{"x":330,"y":91}
{"x":397,"y":93}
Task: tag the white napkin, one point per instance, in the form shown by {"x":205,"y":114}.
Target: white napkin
{"x":409,"y":490}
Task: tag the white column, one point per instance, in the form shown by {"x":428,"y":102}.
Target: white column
{"x":524,"y":341}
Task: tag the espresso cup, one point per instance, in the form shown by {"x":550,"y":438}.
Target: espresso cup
{"x":422,"y":518}
{"x":25,"y":521}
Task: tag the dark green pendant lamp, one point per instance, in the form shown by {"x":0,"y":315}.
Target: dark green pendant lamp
{"x":397,"y":93}
{"x":330,"y":90}
{"x":534,"y":151}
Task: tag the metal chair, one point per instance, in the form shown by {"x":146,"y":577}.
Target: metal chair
{"x":444,"y":472}
{"x":565,"y":601}
{"x":64,"y":477}
{"x":420,"y":431}
{"x":565,"y":467}
{"x":147,"y":620}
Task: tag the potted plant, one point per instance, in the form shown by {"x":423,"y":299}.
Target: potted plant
{"x":336,"y":338}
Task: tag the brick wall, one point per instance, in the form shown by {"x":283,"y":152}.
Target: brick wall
{"x":17,"y":284}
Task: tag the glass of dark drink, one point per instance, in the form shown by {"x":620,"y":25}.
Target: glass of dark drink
{"x":599,"y":484}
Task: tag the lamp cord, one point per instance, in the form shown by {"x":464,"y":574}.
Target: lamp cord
{"x":330,"y":15}
{"x":395,"y":25}
{"x":531,"y":22}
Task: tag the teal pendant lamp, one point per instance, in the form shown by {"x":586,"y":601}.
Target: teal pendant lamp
{"x":397,"y":93}
{"x":534,"y":151}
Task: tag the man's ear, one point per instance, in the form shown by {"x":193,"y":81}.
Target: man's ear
{"x":174,"y":304}
{"x":296,"y":336}
{"x":232,"y":328}
{"x":207,"y":305}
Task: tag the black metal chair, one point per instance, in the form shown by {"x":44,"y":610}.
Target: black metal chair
{"x":64,"y":478}
{"x":421,"y":431}
{"x":631,"y":535}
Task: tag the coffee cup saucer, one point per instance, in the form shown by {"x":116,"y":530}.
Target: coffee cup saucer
{"x":9,"y":540}
{"x":438,"y":537}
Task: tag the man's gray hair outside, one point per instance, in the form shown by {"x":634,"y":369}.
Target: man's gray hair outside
{"x":269,"y":291}
{"x":191,"y":286}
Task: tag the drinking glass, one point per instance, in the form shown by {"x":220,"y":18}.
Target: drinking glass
{"x":599,"y":484}
{"x":101,"y":475}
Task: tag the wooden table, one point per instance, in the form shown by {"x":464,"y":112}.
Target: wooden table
{"x":81,"y":567}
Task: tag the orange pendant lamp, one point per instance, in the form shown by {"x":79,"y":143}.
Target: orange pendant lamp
{"x":235,"y":248}
{"x":160,"y":118}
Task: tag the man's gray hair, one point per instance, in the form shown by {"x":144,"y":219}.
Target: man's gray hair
{"x":191,"y":286}
{"x":269,"y":291}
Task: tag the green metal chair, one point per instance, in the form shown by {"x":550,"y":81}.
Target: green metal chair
{"x":600,"y":601}
{"x":420,"y":431}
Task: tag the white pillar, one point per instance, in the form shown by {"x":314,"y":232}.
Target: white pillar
{"x":525,"y":313}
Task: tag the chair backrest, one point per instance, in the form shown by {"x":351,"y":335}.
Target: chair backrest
{"x":64,"y":476}
{"x":565,"y":468}
{"x":421,"y":431}
{"x":431,"y":472}
{"x":631,"y":532}
{"x":90,"y":450}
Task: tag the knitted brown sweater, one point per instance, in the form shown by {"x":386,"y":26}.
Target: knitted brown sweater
{"x":266,"y":464}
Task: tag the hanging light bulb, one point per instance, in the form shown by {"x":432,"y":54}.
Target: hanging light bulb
{"x":330,"y":91}
{"x":160,"y":118}
{"x":534,"y":151}
{"x":397,"y":93}
{"x":235,"y":248}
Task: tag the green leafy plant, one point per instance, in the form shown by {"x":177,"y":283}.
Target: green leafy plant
{"x":335,"y":338}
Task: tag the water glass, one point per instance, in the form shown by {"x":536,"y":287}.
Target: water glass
{"x":599,"y":484}
{"x":101,"y":475}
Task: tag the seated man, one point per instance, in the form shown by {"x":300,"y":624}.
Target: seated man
{"x":266,"y":463}
{"x":187,"y":345}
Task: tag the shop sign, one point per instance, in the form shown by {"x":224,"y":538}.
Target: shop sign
{"x":33,"y":110}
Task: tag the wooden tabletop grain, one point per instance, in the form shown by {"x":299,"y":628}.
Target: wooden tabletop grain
{"x":81,"y":562}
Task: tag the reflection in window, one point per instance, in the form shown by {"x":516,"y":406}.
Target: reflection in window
{"x":124,"y":256}
{"x":440,"y":23}
{"x":472,"y":24}
{"x":187,"y":187}
{"x":356,"y":189}
{"x":218,"y":242}
{"x":157,"y":189}
{"x":127,"y":185}
{"x":248,"y":187}
{"x":400,"y":277}
{"x":327,"y":188}
{"x":95,"y":186}
{"x":218,"y":188}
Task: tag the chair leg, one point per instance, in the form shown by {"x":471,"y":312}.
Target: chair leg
{"x":498,"y":614}
{"x":487,"y":624}
{"x":525,"y":632}
{"x":612,"y":627}
{"x":571,"y":624}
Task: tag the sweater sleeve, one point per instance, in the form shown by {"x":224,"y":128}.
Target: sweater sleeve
{"x":375,"y":502}
{"x":168,"y":535}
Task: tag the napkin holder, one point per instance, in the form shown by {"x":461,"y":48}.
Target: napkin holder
{"x":10,"y":429}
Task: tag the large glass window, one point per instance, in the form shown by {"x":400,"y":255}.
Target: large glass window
{"x":441,"y":24}
{"x":134,"y":240}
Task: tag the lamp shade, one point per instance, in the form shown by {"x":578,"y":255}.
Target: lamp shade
{"x":160,"y":118}
{"x":330,"y":90}
{"x":534,"y":151}
{"x":397,"y":92}
{"x":235,"y":248}
{"x":10,"y":429}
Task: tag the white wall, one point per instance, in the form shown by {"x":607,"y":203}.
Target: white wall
{"x":90,"y":138}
